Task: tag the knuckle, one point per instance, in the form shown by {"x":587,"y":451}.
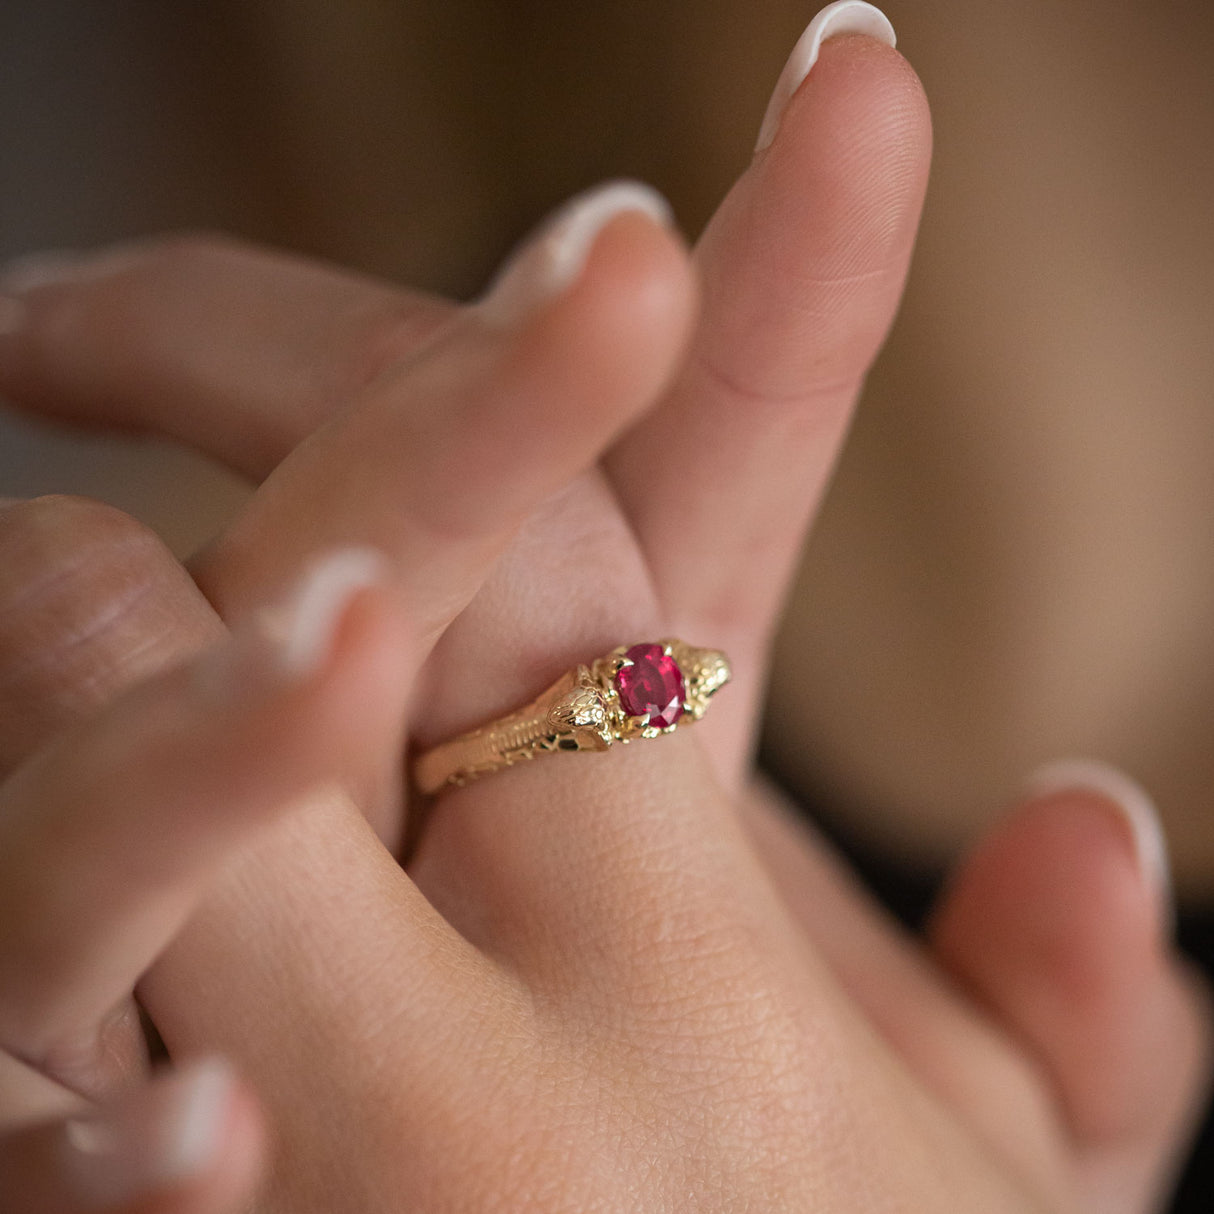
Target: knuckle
{"x":81,"y":587}
{"x":710,"y":977}
{"x":58,"y":534}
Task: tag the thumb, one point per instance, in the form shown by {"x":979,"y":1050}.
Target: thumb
{"x":1060,"y":923}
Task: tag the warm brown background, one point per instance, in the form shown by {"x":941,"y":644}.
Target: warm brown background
{"x":1016,"y":561}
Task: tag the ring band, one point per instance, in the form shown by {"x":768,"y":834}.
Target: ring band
{"x":637,"y":691}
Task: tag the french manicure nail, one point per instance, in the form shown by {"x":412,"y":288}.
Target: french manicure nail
{"x":302,"y":629}
{"x":552,"y":260}
{"x":289,"y":640}
{"x":1136,"y":806}
{"x":843,"y":17}
{"x":163,"y":1136}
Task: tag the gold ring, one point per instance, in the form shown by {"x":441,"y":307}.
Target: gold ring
{"x":637,"y":691}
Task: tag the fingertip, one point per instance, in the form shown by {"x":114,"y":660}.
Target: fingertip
{"x":317,"y":681}
{"x":866,"y":79}
{"x":243,"y":1154}
{"x":1128,"y":800}
{"x":567,"y":375}
{"x":1056,"y":923}
{"x":629,"y":316}
{"x":191,"y":1141}
{"x":805,"y":263}
{"x":555,"y":257}
{"x":1060,"y":892}
{"x":859,"y":133}
{"x":358,"y":698}
{"x":842,"y":18}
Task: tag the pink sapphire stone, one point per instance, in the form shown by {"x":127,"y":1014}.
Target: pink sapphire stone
{"x":652,"y":685}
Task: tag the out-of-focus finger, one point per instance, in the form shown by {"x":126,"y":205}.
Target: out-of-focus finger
{"x":91,"y":601}
{"x":1059,"y":923}
{"x":109,"y":837}
{"x":28,"y":1096}
{"x":281,"y":916}
{"x":189,"y":1142}
{"x":236,"y":350}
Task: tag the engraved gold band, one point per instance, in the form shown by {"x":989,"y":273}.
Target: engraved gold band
{"x":637,"y":691}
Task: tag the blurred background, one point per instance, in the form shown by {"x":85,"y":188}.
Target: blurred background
{"x":1016,"y":560}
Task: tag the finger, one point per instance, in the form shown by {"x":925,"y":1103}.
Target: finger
{"x":1058,"y":922}
{"x":276,"y":930}
{"x":323,"y":971}
{"x":802,"y":267}
{"x":109,"y":837}
{"x":91,"y":602}
{"x":443,"y":458}
{"x":236,"y":350}
{"x":190,"y":1142}
{"x":28,"y":1096}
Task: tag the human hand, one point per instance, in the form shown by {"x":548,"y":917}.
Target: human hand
{"x":243,"y":355}
{"x":625,"y":1016}
{"x":477,"y":666}
{"x":253,"y":352}
{"x":109,"y":838}
{"x":562,"y":366}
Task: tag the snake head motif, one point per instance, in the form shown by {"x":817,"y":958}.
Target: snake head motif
{"x":582,"y":711}
{"x":705,"y":672}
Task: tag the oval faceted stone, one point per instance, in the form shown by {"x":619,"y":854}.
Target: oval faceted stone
{"x":652,"y":685}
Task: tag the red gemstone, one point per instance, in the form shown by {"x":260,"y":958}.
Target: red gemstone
{"x":652,"y":685}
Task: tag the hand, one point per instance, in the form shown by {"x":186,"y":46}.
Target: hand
{"x":186,"y":323}
{"x":459,"y":815}
{"x":243,"y":355}
{"x":605,"y":984}
{"x":110,"y":837}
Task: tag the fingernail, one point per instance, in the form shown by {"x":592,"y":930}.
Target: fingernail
{"x":1137,"y":809}
{"x":302,"y":629}
{"x":291,"y":639}
{"x":844,"y":17}
{"x":552,"y":260}
{"x":166,"y":1135}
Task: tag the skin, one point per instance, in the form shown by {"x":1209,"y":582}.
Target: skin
{"x":596,"y":985}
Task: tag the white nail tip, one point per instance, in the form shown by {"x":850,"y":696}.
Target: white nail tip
{"x":577,"y":225}
{"x":1150,"y":844}
{"x":304,"y":626}
{"x":843,"y":17}
{"x":552,"y":260}
{"x":196,"y":1129}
